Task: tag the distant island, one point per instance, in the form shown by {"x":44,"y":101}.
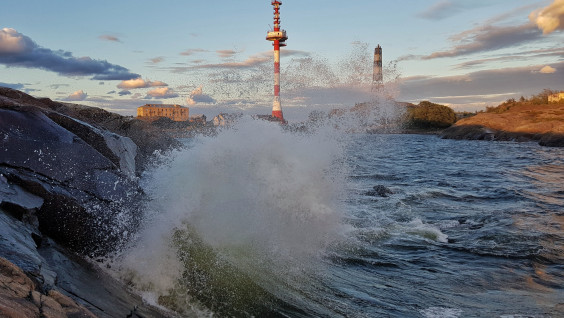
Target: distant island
{"x":538,"y":118}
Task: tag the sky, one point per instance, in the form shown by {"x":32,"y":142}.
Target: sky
{"x":213,"y":56}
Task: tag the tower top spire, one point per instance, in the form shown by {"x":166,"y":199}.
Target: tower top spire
{"x":277,"y":34}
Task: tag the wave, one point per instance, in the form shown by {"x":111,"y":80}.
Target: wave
{"x":237,"y":217}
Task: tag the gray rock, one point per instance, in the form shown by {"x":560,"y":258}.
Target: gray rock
{"x":380,"y":190}
{"x":87,"y":202}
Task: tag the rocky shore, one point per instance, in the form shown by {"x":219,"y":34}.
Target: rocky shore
{"x":522,"y":122}
{"x":69,"y":194}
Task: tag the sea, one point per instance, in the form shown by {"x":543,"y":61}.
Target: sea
{"x":263,"y":221}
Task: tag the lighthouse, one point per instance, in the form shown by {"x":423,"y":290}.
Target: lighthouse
{"x":378,"y":75}
{"x":278,"y":37}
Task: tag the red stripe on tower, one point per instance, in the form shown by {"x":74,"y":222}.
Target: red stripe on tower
{"x":279,"y":38}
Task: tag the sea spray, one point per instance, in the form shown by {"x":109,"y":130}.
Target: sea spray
{"x":239,"y":222}
{"x":265,"y":200}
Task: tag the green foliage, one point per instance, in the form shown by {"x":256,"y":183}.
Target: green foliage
{"x":429,"y":115}
{"x":461,"y":115}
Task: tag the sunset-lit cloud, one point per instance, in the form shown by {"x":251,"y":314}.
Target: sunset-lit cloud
{"x":161,"y":92}
{"x":77,"y":96}
{"x":251,"y":61}
{"x":547,"y":70}
{"x":110,"y":38}
{"x":226,"y":53}
{"x":198,"y":97}
{"x":18,"y":50}
{"x":140,"y":83}
{"x":156,"y":60}
{"x":192,"y":51}
{"x":549,"y":19}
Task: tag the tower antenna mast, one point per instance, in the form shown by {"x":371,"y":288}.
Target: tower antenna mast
{"x":278,"y":37}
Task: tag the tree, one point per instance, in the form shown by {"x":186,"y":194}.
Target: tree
{"x":542,"y":97}
{"x":429,"y":115}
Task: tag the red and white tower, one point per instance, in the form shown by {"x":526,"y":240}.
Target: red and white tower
{"x":279,"y":38}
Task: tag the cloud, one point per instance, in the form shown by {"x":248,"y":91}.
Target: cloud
{"x":110,"y":38}
{"x":18,"y":86}
{"x":522,"y":55}
{"x":549,"y":19}
{"x":77,"y":96}
{"x":18,"y":50}
{"x":56,"y":86}
{"x":198,"y":97}
{"x":487,"y":38}
{"x":547,"y":70}
{"x":140,"y":83}
{"x":161,"y":92}
{"x":516,"y":80}
{"x":156,"y":60}
{"x":192,"y":51}
{"x":124,"y":92}
{"x":251,"y":61}
{"x":439,"y":10}
{"x":226,"y":53}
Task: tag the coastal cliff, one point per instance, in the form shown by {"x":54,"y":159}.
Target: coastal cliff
{"x":516,"y":122}
{"x":69,"y":195}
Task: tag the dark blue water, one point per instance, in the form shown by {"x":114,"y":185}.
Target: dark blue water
{"x":467,"y":229}
{"x":271,"y":223}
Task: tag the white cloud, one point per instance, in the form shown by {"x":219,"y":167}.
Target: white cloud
{"x":551,"y":18}
{"x":547,"y":70}
{"x":77,"y":96}
{"x":161,"y":92}
{"x":140,"y":83}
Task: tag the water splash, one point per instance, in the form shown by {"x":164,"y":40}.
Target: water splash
{"x":245,"y":216}
{"x":266,"y":200}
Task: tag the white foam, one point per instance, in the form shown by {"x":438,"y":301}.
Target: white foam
{"x":441,"y":312}
{"x":253,"y":191}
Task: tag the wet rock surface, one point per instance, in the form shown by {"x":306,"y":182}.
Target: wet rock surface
{"x":380,"y":191}
{"x":88,"y":202}
{"x":68,"y":192}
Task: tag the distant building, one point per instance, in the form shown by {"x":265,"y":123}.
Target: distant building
{"x":153,"y":111}
{"x":555,"y":98}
